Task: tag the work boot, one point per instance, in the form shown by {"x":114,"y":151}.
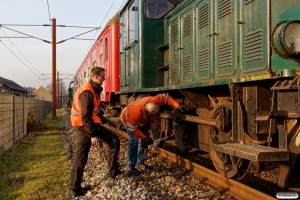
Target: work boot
{"x":142,"y":166}
{"x":132,"y":171}
{"x":80,"y":192}
{"x":115,"y":173}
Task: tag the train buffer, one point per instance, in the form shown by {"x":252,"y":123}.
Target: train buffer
{"x":252,"y":152}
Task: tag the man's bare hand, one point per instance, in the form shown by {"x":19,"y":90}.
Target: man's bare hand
{"x":95,"y":141}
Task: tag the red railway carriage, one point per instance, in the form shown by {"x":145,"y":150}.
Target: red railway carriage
{"x":104,"y":53}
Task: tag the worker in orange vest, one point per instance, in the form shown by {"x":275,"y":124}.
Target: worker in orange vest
{"x":137,"y":118}
{"x":84,"y":117}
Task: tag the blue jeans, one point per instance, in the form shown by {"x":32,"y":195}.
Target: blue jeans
{"x":137,"y":151}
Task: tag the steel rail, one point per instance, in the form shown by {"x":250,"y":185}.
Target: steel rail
{"x":233,"y":187}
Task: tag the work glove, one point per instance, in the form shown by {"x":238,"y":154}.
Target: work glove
{"x":178,"y":116}
{"x":102,"y":118}
{"x":148,"y":140}
{"x":183,"y":108}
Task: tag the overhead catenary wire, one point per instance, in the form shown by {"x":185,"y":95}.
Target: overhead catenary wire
{"x":25,"y":25}
{"x":21,"y":53}
{"x":25,"y":34}
{"x":46,"y":25}
{"x":49,"y":18}
{"x":83,"y":39}
{"x":20,"y":59}
{"x":121,"y":5}
{"x":77,"y":35}
{"x":96,"y":33}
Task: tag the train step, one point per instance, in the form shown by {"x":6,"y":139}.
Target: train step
{"x":286,"y":84}
{"x":252,"y":152}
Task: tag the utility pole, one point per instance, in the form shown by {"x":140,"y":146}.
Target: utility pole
{"x":53,"y":68}
{"x":54,"y":97}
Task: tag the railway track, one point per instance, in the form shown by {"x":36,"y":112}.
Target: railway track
{"x":232,"y":187}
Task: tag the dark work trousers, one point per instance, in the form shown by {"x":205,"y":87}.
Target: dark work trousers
{"x":82,"y":150}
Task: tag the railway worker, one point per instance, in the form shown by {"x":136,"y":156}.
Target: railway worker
{"x":137,"y":118}
{"x":84,"y":117}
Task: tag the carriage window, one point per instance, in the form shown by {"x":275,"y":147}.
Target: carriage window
{"x":101,"y":54}
{"x":106,"y":49}
{"x":94,"y":55}
{"x":155,"y":9}
{"x":133,"y":14}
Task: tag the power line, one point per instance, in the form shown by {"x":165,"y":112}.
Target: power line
{"x":25,"y":25}
{"x":97,"y":31}
{"x":49,"y":18}
{"x":77,"y":35}
{"x":21,"y":52}
{"x":20,"y":60}
{"x":46,"y":25}
{"x":121,"y":4}
{"x":26,"y":34}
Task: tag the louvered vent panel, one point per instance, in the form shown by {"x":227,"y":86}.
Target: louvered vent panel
{"x":248,"y":1}
{"x":174,"y":33}
{"x":254,"y":45}
{"x":174,"y":68}
{"x":203,"y":16}
{"x":187,"y":65}
{"x":187,"y":25}
{"x":203,"y":60}
{"x":225,"y":54}
{"x":225,"y":8}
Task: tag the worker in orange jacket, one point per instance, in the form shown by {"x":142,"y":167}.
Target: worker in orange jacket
{"x":85,"y":118}
{"x":137,"y":118}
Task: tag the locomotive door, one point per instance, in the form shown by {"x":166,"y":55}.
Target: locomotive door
{"x":204,"y":39}
{"x":253,"y":36}
{"x":186,"y":47}
{"x":225,"y":37}
{"x":174,"y":51}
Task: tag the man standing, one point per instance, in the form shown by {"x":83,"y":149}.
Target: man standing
{"x":85,"y":117}
{"x":137,"y":118}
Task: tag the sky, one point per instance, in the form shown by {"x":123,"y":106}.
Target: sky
{"x":28,"y":61}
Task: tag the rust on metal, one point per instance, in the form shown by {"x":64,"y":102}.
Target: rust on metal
{"x":190,"y":118}
{"x":234,"y":188}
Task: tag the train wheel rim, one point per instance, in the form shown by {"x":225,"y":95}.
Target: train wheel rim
{"x":224,"y":163}
{"x":156,"y":132}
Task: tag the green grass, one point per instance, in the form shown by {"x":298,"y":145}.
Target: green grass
{"x":53,"y":122}
{"x":36,"y":167}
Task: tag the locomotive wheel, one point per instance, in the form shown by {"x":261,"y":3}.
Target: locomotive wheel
{"x":226,"y":165}
{"x":156,"y":130}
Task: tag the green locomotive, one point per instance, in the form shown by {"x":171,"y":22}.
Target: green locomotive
{"x":233,"y":63}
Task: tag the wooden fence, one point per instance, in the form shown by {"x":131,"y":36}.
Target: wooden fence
{"x":13,"y":117}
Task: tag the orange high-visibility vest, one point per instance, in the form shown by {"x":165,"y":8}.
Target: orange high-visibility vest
{"x":134,"y":114}
{"x":76,"y":112}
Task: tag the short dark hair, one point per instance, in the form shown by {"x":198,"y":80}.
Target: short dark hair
{"x":96,"y":71}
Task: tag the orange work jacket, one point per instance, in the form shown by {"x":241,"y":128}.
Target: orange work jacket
{"x":76,"y":112}
{"x":135,"y":115}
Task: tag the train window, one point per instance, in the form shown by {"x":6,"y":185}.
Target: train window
{"x":94,"y":55}
{"x":124,"y":31}
{"x":155,"y":9}
{"x":133,"y":14}
{"x":106,"y":49}
{"x":101,"y":54}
